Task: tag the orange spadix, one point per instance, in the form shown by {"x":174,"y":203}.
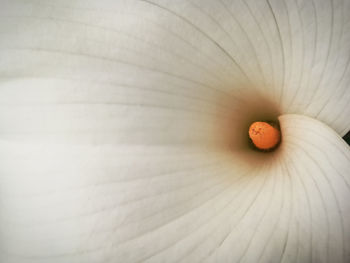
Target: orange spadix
{"x":264,"y":135}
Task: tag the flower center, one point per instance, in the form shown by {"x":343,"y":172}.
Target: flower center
{"x":264,"y":135}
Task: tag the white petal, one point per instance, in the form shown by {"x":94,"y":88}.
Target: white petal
{"x":314,"y":39}
{"x":111,"y":116}
{"x":166,"y":203}
{"x":317,"y":164}
{"x":294,"y":52}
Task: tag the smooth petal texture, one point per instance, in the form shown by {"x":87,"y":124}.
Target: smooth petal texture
{"x":294,"y":52}
{"x":108,"y":203}
{"x":317,"y":162}
{"x":118,"y":117}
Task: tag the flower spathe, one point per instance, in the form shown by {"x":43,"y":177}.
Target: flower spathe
{"x":123,"y":127}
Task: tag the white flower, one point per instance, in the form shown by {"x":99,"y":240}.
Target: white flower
{"x":123,"y":132}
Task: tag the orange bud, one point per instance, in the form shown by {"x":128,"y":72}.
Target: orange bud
{"x":263,"y":135}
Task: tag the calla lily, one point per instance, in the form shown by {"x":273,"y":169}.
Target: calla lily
{"x":124,"y":131}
